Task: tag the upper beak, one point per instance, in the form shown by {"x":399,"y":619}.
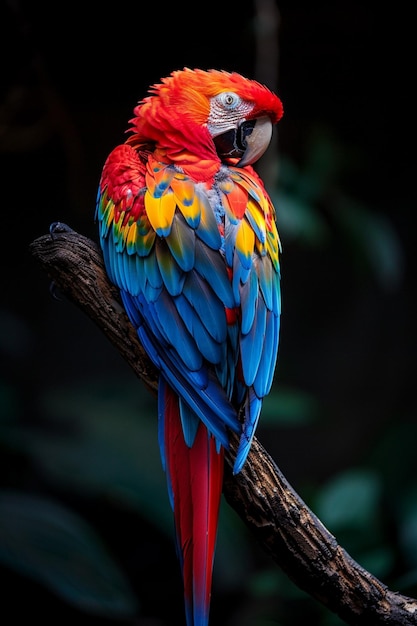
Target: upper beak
{"x":247,"y":142}
{"x":257,"y":141}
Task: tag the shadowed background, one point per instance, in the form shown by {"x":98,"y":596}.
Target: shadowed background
{"x":85,"y":525}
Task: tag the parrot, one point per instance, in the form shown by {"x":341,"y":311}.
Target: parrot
{"x":189,"y":237}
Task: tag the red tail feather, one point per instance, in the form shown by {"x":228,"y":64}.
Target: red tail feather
{"x":195,"y":477}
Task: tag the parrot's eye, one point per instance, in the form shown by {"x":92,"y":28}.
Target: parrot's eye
{"x":229,"y":100}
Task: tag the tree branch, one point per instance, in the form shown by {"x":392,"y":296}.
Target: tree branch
{"x":260,"y":494}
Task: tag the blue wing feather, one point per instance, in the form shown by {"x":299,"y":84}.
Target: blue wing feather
{"x":210,"y":348}
{"x":251,"y":344}
{"x":181,"y":242}
{"x":249,"y":295}
{"x":205,"y":303}
{"x":171,"y":273}
{"x":274,"y":349}
{"x":190,"y":422}
{"x":152,"y":272}
{"x":210,"y":266}
{"x":253,"y":407}
{"x":261,"y":383}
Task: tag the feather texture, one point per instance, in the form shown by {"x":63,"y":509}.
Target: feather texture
{"x":190,"y":239}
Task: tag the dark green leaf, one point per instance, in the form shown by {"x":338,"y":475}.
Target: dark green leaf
{"x":288,"y":407}
{"x":350,"y":500}
{"x":45,"y":541}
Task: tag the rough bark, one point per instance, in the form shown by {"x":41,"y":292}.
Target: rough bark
{"x":280,"y":520}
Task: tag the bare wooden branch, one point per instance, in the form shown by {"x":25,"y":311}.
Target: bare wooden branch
{"x":280,"y":520}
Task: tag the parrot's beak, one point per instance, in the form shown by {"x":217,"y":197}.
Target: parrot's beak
{"x":256,"y":141}
{"x":247,"y":142}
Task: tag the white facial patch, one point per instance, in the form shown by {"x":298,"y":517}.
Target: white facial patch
{"x":227,"y":110}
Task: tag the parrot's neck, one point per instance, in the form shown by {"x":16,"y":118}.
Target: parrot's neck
{"x":186,"y":147}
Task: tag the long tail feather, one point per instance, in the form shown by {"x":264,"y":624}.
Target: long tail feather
{"x":195,"y":478}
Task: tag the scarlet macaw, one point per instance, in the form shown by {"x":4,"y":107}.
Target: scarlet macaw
{"x":188,"y":235}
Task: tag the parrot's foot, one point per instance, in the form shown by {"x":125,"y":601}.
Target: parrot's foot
{"x":59,"y":227}
{"x":54,"y":291}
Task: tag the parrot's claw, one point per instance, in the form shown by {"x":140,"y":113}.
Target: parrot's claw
{"x":54,"y":291}
{"x":59,"y":227}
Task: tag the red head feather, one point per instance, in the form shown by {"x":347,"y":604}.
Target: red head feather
{"x":175,"y":114}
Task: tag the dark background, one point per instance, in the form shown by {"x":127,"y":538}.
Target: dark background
{"x":85,"y":530}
